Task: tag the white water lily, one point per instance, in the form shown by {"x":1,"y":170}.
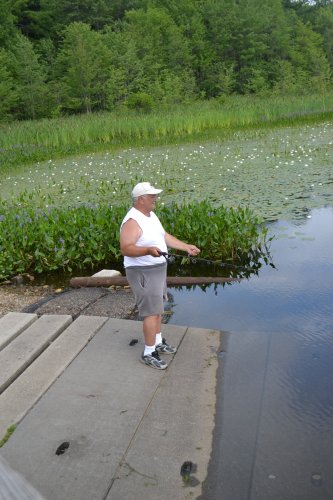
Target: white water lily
{"x":264,"y":178}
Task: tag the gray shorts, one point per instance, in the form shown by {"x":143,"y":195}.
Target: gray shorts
{"x":148,"y":283}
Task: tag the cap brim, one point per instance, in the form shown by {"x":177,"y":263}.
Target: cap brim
{"x":155,"y":191}
{"x":150,"y":191}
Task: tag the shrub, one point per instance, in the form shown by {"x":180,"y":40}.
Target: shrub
{"x":140,"y":101}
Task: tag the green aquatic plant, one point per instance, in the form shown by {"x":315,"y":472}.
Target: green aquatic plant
{"x":37,"y":239}
{"x":227,"y":235}
{"x":32,"y":141}
{"x":277,"y":173}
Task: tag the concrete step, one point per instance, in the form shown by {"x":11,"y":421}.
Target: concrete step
{"x":12,"y":324}
{"x":26,"y":390}
{"x":26,"y":347}
{"x":179,"y":422}
{"x":129,"y":428}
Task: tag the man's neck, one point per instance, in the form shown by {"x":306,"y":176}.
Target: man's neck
{"x":143,"y":211}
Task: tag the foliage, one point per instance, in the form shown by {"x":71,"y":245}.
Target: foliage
{"x":140,"y":101}
{"x":8,"y":91}
{"x":233,"y":234}
{"x":35,"y":239}
{"x":30,"y":80}
{"x":82,"y":68}
{"x":70,"y":57}
{"x":8,"y":21}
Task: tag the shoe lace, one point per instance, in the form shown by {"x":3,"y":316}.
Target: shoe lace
{"x":156,"y":355}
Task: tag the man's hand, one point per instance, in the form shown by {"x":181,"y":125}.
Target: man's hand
{"x":192,"y":250}
{"x":154,"y":252}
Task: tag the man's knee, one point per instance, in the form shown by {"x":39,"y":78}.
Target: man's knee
{"x":152,"y":317}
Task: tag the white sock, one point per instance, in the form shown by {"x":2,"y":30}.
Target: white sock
{"x":148,"y":350}
{"x":158,"y":338}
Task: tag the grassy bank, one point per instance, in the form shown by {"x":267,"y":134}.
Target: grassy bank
{"x":28,"y":142}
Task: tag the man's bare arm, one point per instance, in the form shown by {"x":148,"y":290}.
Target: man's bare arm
{"x":173,"y":242}
{"x":129,"y":235}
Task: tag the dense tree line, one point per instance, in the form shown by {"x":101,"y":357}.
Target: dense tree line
{"x":72,"y":56}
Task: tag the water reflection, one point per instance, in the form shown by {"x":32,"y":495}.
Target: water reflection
{"x":276,"y":406}
{"x":296,"y":296}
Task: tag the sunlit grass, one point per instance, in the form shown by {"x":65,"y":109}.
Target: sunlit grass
{"x":32,"y":141}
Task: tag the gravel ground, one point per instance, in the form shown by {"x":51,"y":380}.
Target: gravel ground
{"x":110,"y":302}
{"x":16,"y":298}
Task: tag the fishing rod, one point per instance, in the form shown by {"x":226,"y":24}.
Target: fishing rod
{"x":170,"y":259}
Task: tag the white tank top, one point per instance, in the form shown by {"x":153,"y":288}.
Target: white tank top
{"x":153,"y":235}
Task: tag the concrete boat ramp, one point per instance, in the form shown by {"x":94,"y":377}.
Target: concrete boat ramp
{"x":95,"y":423}
{"x":226,"y":420}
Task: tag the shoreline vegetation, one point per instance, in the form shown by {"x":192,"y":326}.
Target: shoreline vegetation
{"x":28,"y":142}
{"x":43,"y":237}
{"x":35,"y":240}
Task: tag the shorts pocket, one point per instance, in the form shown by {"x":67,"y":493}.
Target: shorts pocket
{"x":142,"y":281}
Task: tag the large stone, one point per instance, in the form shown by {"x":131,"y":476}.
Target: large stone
{"x":109,"y":273}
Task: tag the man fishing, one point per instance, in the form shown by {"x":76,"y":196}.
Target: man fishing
{"x":143,"y":241}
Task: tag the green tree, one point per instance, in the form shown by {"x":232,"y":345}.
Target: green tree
{"x":172,"y":89}
{"x":149,"y":57}
{"x":220,"y":19}
{"x":159,"y":41}
{"x":120,"y":7}
{"x":8,"y":92}
{"x":308,"y":58}
{"x":126,"y":73}
{"x":188,"y":16}
{"x":29,"y":78}
{"x":319,"y":16}
{"x":48,"y":18}
{"x":8,"y":20}
{"x":161,"y":50}
{"x":262,"y":38}
{"x":265,"y":44}
{"x":90,"y":55}
{"x":82,"y":67}
{"x":46,"y":51}
{"x":323,"y":24}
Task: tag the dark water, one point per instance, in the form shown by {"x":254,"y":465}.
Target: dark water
{"x":295,"y":297}
{"x":275,"y":414}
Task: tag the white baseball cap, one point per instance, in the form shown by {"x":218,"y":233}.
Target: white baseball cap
{"x":144,"y":188}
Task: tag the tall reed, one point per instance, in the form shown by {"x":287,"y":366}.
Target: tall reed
{"x":31,"y":141}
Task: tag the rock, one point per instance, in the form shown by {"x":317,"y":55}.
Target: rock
{"x":109,"y":273}
{"x":18,"y":280}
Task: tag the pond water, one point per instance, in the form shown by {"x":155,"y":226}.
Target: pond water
{"x":279,"y":173}
{"x":275,"y":423}
{"x":297,"y":296}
